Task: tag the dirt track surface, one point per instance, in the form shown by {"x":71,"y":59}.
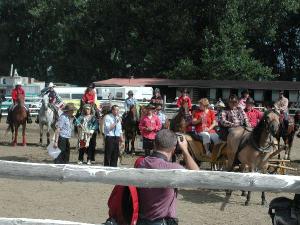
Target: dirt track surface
{"x":87,"y":202}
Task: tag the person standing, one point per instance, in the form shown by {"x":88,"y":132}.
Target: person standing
{"x":254,"y":115}
{"x":63,"y":133}
{"x":184,"y":98}
{"x":157,"y":206}
{"x":205,"y":123}
{"x":162,"y":116}
{"x":113,"y":137}
{"x":156,"y":98}
{"x":149,"y":126}
{"x":129,"y":101}
{"x":245,"y":96}
{"x":88,"y":126}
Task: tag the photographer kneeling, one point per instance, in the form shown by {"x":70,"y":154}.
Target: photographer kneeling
{"x":157,"y":206}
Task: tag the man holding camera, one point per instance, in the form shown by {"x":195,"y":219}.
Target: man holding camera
{"x":157,"y":206}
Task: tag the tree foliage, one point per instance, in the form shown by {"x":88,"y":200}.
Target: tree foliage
{"x":86,"y":40}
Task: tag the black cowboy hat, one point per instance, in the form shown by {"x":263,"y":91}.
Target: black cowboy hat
{"x":250,"y":101}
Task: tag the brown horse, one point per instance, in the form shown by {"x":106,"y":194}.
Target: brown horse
{"x":19,"y":117}
{"x":287,"y":133}
{"x":130,"y":126}
{"x":252,"y":149}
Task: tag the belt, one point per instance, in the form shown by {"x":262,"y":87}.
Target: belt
{"x":163,"y":221}
{"x":112,"y":137}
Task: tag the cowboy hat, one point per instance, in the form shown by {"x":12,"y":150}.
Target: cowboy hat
{"x":87,"y":106}
{"x":69,"y":107}
{"x":156,"y":90}
{"x":281,"y":92}
{"x":220,"y":105}
{"x":19,"y":82}
{"x":130,"y":92}
{"x":92,"y":85}
{"x":51,"y":85}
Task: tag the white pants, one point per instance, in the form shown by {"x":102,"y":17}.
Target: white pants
{"x":208,"y":137}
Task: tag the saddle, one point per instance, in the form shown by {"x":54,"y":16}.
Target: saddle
{"x":284,"y":211}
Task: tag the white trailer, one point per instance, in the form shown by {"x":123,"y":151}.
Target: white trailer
{"x":120,"y":93}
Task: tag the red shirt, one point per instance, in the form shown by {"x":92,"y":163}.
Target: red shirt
{"x":146,"y":122}
{"x":182,"y":99}
{"x":254,"y":116}
{"x":207,"y":120}
{"x":89,"y":97}
{"x":16,"y":92}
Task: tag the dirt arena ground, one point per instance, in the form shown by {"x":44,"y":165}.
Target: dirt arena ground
{"x":87,"y":202}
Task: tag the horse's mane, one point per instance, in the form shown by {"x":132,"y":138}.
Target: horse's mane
{"x":256,"y":133}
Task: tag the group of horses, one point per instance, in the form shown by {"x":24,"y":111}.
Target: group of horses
{"x":245,"y":149}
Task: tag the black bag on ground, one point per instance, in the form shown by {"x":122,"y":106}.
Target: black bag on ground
{"x":284,"y":211}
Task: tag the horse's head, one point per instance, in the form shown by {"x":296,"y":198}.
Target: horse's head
{"x":271,"y":120}
{"x":45,"y":101}
{"x":20,"y":100}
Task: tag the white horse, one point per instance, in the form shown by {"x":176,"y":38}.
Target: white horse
{"x":47,"y":118}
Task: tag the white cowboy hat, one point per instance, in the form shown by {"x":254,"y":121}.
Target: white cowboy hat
{"x":19,"y":83}
{"x":51,"y":85}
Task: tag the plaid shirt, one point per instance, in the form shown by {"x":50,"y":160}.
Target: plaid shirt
{"x":234,"y":118}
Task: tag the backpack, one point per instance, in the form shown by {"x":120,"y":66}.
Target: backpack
{"x":284,"y":211}
{"x":123,"y":204}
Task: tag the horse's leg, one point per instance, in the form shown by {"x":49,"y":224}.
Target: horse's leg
{"x":278,"y":144}
{"x":16,"y":136}
{"x":41,"y":133}
{"x":48,"y":134}
{"x":126,"y":144}
{"x":132,"y":144}
{"x":251,"y":169}
{"x":24,"y":134}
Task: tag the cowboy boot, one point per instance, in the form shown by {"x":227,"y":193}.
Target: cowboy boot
{"x":8,"y":118}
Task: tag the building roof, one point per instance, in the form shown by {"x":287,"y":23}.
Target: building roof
{"x":232,"y":84}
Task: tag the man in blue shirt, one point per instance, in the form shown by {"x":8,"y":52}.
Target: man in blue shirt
{"x":113,"y":137}
{"x":129,"y":101}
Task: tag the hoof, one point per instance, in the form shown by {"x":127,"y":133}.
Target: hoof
{"x":246,"y":203}
{"x":264,"y":203}
{"x":14,"y":144}
{"x":228,"y":193}
{"x":24,"y":144}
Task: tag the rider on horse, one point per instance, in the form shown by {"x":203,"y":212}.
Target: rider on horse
{"x":90,"y":97}
{"x":54,"y":99}
{"x":156,"y":98}
{"x":129,"y":101}
{"x":254,"y":115}
{"x":205,"y":122}
{"x":282,"y":107}
{"x":16,"y":93}
{"x":184,"y":98}
{"x":232,"y":117}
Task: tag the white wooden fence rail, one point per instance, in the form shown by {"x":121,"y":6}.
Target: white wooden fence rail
{"x":25,"y":221}
{"x":152,"y":178}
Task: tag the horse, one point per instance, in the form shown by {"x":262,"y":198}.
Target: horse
{"x":252,"y":149}
{"x":46,"y":118}
{"x":287,"y":133}
{"x":18,"y":118}
{"x":130,"y":127}
{"x":180,"y":124}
